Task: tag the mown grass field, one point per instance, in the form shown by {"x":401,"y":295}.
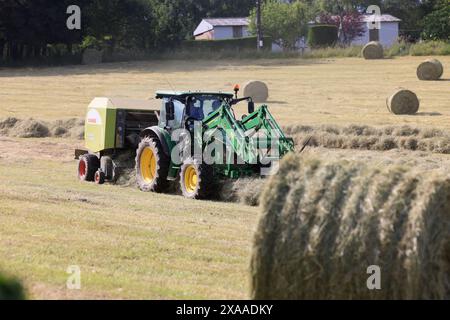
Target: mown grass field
{"x":338,"y":91}
{"x":130,"y":244}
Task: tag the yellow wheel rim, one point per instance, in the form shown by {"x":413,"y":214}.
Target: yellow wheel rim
{"x":190,"y":179}
{"x":148,"y":165}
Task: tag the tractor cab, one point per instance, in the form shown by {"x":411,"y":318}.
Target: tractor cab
{"x":180,"y":107}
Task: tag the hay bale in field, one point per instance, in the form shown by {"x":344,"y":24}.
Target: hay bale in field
{"x":403,"y":102}
{"x":29,"y":128}
{"x":324,"y":223}
{"x":92,"y":56}
{"x":430,"y":69}
{"x":373,"y":50}
{"x":258,"y":90}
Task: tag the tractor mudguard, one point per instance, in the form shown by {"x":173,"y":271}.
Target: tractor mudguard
{"x":162,"y":135}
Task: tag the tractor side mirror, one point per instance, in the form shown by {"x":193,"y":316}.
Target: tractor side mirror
{"x":251,"y":107}
{"x":170,"y":111}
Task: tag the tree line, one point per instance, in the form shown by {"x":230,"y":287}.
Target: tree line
{"x":37,"y":28}
{"x":32,"y":28}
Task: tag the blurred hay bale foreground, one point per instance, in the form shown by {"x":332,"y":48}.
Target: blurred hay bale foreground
{"x":325,"y":223}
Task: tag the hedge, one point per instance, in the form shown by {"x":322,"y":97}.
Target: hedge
{"x":247,"y":43}
{"x":322,"y":36}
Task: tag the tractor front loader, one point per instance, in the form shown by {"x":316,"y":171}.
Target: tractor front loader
{"x":169,"y":144}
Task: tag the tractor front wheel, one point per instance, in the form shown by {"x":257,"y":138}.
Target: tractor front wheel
{"x":196,"y":180}
{"x":152,"y":166}
{"x":87,"y":167}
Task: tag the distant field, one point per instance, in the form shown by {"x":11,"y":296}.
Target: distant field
{"x":129,"y":244}
{"x":337,"y":91}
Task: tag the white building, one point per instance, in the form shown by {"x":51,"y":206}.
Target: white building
{"x":222,"y":28}
{"x":388,"y":33}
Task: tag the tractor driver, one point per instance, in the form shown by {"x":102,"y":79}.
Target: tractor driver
{"x":199,"y":108}
{"x":195,"y":109}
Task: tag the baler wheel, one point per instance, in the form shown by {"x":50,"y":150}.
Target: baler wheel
{"x":99,"y":177}
{"x":197,"y":180}
{"x":152,"y":166}
{"x":87,"y":166}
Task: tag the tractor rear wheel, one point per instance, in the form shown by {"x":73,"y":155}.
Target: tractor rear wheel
{"x":152,"y":166}
{"x":197,"y":180}
{"x":87,"y":167}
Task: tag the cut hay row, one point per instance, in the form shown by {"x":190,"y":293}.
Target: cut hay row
{"x":31,"y":128}
{"x":431,"y":69}
{"x":325,"y":223}
{"x":373,"y":50}
{"x":403,"y":102}
{"x":370,"y":138}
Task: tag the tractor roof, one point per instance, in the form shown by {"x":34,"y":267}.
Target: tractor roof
{"x":185,"y":94}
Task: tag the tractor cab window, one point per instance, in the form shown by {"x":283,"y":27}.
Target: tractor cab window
{"x":200,"y":107}
{"x":179,"y":114}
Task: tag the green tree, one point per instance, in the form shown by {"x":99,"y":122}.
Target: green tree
{"x":285,"y":23}
{"x":437,"y":23}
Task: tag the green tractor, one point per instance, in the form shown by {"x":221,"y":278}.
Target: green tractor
{"x":170,"y":143}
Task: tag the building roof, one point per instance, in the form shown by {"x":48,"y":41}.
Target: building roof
{"x":208,"y":24}
{"x":221,"y":22}
{"x":381,"y":18}
{"x":372,"y":18}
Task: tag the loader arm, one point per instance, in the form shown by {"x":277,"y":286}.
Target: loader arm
{"x":243,"y":136}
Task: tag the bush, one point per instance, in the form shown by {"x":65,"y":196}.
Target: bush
{"x":241,"y":44}
{"x":430,"y":48}
{"x":11,"y":289}
{"x":322,"y":36}
{"x":437,"y":23}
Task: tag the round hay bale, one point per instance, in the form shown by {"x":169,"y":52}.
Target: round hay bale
{"x":257,"y":90}
{"x":325,"y":224}
{"x":373,"y":50}
{"x":403,"y":102}
{"x":430,"y":69}
{"x":92,"y":56}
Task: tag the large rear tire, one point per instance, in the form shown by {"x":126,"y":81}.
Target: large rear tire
{"x":197,"y":180}
{"x":152,"y":166}
{"x":87,"y":167}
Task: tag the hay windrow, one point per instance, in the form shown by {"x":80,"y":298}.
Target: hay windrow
{"x":403,"y":102}
{"x":431,"y":69}
{"x":257,"y":90}
{"x":373,"y":50}
{"x":31,"y":128}
{"x":324,"y":223}
{"x":359,"y":137}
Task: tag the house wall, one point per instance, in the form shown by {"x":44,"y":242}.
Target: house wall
{"x":221,"y":33}
{"x":389,"y":34}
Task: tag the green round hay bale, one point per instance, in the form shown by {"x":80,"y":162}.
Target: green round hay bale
{"x":257,"y":90}
{"x":430,"y":69}
{"x":403,"y":102}
{"x":373,"y":50}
